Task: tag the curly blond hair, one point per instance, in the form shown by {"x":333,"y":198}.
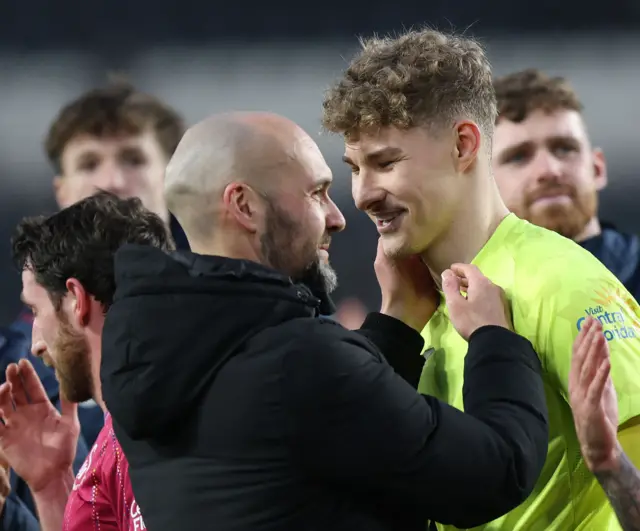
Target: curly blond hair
{"x":521,"y":93}
{"x":422,"y":78}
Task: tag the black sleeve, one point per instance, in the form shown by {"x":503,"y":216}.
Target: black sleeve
{"x":400,"y":344}
{"x":357,"y":423}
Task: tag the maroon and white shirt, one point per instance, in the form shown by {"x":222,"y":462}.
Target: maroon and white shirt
{"x":102,"y":498}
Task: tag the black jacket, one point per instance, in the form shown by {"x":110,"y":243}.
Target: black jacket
{"x":239,"y":409}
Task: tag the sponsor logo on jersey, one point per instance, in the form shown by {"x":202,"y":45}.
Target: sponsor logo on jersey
{"x":614,"y":307}
{"x":614,"y":324}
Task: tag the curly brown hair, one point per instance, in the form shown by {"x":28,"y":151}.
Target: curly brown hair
{"x":521,"y":93}
{"x":419,"y":78}
{"x":116,"y":109}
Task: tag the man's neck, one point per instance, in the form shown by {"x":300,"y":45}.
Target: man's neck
{"x":231,"y":246}
{"x":469,"y":232}
{"x":590,"y":230}
{"x":95,"y":346}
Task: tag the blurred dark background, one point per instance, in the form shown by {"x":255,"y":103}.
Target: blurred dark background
{"x":205,"y":57}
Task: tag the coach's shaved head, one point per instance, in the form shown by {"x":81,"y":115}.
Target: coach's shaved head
{"x":253,"y":186}
{"x":246,"y":148}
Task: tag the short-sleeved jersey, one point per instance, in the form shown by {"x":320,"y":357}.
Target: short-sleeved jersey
{"x":102,"y":498}
{"x":552,"y":285}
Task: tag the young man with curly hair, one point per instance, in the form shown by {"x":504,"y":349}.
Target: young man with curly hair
{"x":418,"y":114}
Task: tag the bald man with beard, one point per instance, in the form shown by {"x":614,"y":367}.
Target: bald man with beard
{"x":280,"y":165}
{"x":240,"y":408}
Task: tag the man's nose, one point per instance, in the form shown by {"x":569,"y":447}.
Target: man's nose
{"x":365,"y":192}
{"x":38,"y":348}
{"x":547,"y":167}
{"x":112,"y":178}
{"x":335,"y":219}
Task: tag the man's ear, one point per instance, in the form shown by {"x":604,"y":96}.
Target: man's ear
{"x":60,"y":191}
{"x":600,"y":169}
{"x":244,"y":204}
{"x":468,"y":140}
{"x":78,"y":302}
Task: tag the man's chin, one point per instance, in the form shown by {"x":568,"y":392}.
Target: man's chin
{"x":566,"y":222}
{"x":329,"y":276}
{"x":395,"y":245}
{"x":319,"y":277}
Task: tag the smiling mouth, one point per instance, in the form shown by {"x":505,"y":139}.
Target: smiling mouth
{"x":385,"y":219}
{"x":388,"y":221}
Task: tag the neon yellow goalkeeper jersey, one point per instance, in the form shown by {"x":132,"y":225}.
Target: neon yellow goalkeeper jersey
{"x":552,"y":285}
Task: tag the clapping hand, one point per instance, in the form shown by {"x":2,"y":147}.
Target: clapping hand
{"x":38,"y":442}
{"x":593,"y":398}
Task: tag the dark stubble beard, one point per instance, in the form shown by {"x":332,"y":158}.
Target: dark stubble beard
{"x":72,"y":363}
{"x":286,"y":248}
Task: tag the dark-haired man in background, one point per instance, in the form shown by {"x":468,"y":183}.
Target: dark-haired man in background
{"x":68,"y":281}
{"x":115,"y":139}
